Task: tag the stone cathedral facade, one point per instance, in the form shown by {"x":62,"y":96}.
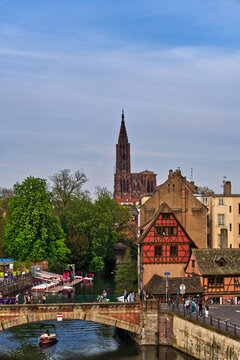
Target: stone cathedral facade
{"x":129,"y":187}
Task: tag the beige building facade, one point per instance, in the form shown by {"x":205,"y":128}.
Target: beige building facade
{"x":179,"y":195}
{"x":223,"y":218}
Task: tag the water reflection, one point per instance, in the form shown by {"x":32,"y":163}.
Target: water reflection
{"x":77,"y":340}
{"x":80,"y":340}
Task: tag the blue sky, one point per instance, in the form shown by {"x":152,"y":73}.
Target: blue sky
{"x":68,"y":67}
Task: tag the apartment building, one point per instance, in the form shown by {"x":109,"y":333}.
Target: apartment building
{"x":223,"y":218}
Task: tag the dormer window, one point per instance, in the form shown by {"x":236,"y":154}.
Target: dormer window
{"x":219,"y":260}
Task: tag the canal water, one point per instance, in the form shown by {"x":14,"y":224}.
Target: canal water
{"x":79,"y":340}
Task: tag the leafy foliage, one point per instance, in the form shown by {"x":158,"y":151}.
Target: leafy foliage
{"x":5,"y":196}
{"x":126,"y":275}
{"x":32,"y":233}
{"x":67,"y":186}
{"x":92,"y":229}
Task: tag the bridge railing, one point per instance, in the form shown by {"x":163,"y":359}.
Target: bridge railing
{"x":59,"y":298}
{"x":220,"y":324}
{"x":12,"y":280}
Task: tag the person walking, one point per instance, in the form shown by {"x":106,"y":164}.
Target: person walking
{"x":200,"y":309}
{"x":131,"y":296}
{"x":206,"y":310}
{"x":125,"y":296}
{"x":17,"y":299}
{"x":44,"y":299}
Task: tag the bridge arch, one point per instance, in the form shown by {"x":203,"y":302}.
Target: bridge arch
{"x":123,"y":316}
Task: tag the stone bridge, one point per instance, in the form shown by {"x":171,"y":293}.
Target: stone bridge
{"x":138,"y":318}
{"x":148,"y":325}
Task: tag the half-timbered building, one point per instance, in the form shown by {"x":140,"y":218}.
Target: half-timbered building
{"x":156,"y":288}
{"x":219,"y":272}
{"x":164,"y":246}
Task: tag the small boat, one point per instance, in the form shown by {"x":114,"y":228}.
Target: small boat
{"x":88,"y":277}
{"x":66,"y":290}
{"x":43,"y":287}
{"x":47,"y":337}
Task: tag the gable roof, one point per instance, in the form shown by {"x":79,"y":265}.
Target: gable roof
{"x":164,"y":208}
{"x":157,"y":285}
{"x":208,"y":261}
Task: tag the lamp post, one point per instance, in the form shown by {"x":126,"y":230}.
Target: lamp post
{"x":142,"y":271}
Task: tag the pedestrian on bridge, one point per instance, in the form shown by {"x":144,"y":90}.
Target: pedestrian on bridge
{"x":125,"y":296}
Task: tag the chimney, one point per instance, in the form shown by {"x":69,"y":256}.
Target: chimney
{"x":227,"y":188}
{"x":170,"y":173}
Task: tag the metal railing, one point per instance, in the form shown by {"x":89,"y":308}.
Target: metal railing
{"x":220,"y":324}
{"x":15,"y":279}
{"x":59,"y":299}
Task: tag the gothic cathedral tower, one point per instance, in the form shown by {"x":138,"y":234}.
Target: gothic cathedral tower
{"x":129,"y":187}
{"x":122,"y":181}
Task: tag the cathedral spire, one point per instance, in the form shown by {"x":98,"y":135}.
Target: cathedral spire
{"x":123,"y":131}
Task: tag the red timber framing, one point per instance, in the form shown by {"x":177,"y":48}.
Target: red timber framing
{"x":164,"y":241}
{"x":221,"y":284}
{"x":219,"y":272}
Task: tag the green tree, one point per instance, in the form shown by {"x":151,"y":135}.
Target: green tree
{"x":32,"y":233}
{"x":5,"y":196}
{"x":126,"y":275}
{"x":76,"y":220}
{"x":67,"y":186}
{"x":107,"y":222}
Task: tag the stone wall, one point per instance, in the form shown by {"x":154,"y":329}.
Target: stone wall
{"x":16,"y":286}
{"x":203,"y":342}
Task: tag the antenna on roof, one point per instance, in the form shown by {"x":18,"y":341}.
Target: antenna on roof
{"x":191,"y":174}
{"x":224,"y":180}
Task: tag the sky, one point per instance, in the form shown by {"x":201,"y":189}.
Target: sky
{"x":69,"y":67}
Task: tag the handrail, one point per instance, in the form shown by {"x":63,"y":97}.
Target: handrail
{"x":16,"y":278}
{"x":217,"y":323}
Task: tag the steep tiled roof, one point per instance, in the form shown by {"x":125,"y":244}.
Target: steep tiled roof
{"x":209,"y":261}
{"x":157,"y":285}
{"x":155,"y":217}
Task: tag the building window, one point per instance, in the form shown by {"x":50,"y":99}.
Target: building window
{"x":230,"y":246}
{"x":173,"y":230}
{"x":221,"y":202}
{"x":205,"y":201}
{"x":211,"y":281}
{"x":165,"y":216}
{"x":173,"y":187}
{"x":193,"y":264}
{"x":238,"y":208}
{"x":173,"y":250}
{"x":230,"y":209}
{"x":230,"y":227}
{"x":158,"y":250}
{"x":221,"y":219}
{"x":166,"y":230}
{"x":208,"y":241}
{"x":238,"y":229}
{"x":219,"y":281}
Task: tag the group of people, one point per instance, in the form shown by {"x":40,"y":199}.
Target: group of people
{"x":194,"y":306}
{"x":9,"y":299}
{"x":128,"y":297}
{"x":102,"y":297}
